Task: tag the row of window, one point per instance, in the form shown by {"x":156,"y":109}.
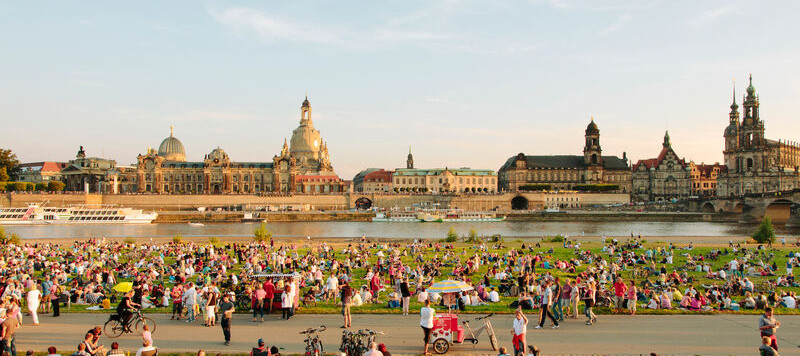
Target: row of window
{"x":469,"y":180}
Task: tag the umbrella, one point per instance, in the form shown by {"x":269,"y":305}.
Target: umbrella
{"x":123,"y":287}
{"x":449,"y":286}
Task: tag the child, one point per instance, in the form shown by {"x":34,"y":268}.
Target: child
{"x":146,"y":335}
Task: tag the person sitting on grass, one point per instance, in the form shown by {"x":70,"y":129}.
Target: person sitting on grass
{"x":115,"y":351}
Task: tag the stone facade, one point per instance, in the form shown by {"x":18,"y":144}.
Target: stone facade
{"x":663,"y":178}
{"x":755,"y":165}
{"x":565,"y":172}
{"x":40,"y":172}
{"x":304,"y":167}
{"x":90,"y":174}
{"x":441,"y":180}
{"x":373,"y":180}
{"x":704,"y":178}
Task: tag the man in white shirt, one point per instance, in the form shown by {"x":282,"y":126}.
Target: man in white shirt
{"x":520,"y":328}
{"x":547,"y":298}
{"x":422,"y":296}
{"x":332,"y":287}
{"x":373,"y":350}
{"x":789,"y":301}
{"x":494,"y":297}
{"x":426,"y":314}
{"x":189,"y":300}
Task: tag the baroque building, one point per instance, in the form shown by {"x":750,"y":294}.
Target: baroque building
{"x":704,"y":178}
{"x":755,"y":164}
{"x":303,"y":166}
{"x":564,"y":172}
{"x":663,"y":178}
{"x":90,"y":174}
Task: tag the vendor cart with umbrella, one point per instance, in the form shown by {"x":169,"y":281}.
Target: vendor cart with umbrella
{"x":446,"y":329}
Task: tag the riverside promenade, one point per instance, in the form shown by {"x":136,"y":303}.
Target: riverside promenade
{"x":674,"y":335}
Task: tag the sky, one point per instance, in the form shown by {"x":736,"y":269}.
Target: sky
{"x":463,"y":83}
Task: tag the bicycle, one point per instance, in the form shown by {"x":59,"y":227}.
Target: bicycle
{"x":355,"y":343}
{"x":313,"y":343}
{"x":114,"y":327}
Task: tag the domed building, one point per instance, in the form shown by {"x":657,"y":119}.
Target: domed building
{"x":303,"y":167}
{"x":172,"y":148}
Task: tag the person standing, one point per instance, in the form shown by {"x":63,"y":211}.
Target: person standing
{"x":287,"y":300}
{"x":547,"y":299}
{"x":8,"y":332}
{"x":619,"y":294}
{"x":574,"y":297}
{"x":406,"y":293}
{"x":633,"y":297}
{"x":558,"y":310}
{"x":269,"y":294}
{"x":54,"y":298}
{"x":519,"y":330}
{"x":258,"y":301}
{"x":189,"y":300}
{"x":33,"y":298}
{"x":177,"y":303}
{"x":588,"y":299}
{"x":347,"y":300}
{"x":768,"y":326}
{"x":426,"y":314}
{"x":212,"y":296}
{"x":226,"y":310}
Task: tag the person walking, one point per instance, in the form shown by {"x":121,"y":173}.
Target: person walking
{"x":547,"y":299}
{"x":519,"y":330}
{"x":258,"y":301}
{"x":574,"y":297}
{"x":558,"y":310}
{"x":269,"y":294}
{"x":588,"y":300}
{"x":8,"y":330}
{"x":347,"y":300}
{"x":226,"y":310}
{"x":406,"y":293}
{"x":768,"y":326}
{"x":33,"y":297}
{"x":427,"y":314}
{"x":54,"y":298}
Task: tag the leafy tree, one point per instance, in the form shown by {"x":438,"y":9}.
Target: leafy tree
{"x":261,"y":234}
{"x":213,"y":240}
{"x":473,"y":235}
{"x":3,"y":174}
{"x":452,"y":236}
{"x":9,"y":161}
{"x":55,"y":186}
{"x":765,"y":232}
{"x":41,"y":186}
{"x":177,"y":239}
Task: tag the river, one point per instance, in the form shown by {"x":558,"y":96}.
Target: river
{"x":718,"y":231}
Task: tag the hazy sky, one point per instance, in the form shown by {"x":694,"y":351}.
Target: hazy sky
{"x":465,"y":83}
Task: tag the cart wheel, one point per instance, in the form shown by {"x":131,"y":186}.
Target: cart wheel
{"x":441,"y":346}
{"x":492,"y":337}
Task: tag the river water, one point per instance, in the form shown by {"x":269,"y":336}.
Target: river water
{"x":715,"y":231}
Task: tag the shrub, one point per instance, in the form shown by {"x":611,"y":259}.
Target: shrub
{"x":261,"y":234}
{"x":765,"y":233}
{"x":41,"y":186}
{"x":596,"y":187}
{"x":534,"y":187}
{"x":452,"y":236}
{"x":177,"y":239}
{"x":55,"y":186}
{"x":129,"y":241}
{"x":473,"y":235}
{"x":213,"y":240}
{"x":14,"y":239}
{"x":557,"y":238}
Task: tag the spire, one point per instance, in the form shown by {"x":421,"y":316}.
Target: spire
{"x":410,"y":160}
{"x":734,"y":106}
{"x":171,"y":130}
{"x":667,"y":143}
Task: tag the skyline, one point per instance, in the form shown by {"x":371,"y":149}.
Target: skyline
{"x":463,"y":83}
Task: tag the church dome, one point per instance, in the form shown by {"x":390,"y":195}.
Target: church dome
{"x":592,"y":128}
{"x":731,"y":130}
{"x":217,"y":154}
{"x":172,"y":149}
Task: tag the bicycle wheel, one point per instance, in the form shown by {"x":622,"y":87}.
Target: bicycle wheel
{"x":113,"y":328}
{"x":492,"y":337}
{"x":440,"y":346}
{"x":145,"y":320}
{"x":318,"y":349}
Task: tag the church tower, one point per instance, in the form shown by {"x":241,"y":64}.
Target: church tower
{"x":751,"y":133}
{"x":410,"y":160}
{"x":592,"y":153}
{"x":305,"y":113}
{"x":732,"y":135}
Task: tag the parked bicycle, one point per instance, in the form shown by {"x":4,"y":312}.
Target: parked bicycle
{"x":114,"y":327}
{"x":313,"y":343}
{"x":356,"y":343}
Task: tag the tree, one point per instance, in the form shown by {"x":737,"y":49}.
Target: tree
{"x":55,"y":186}
{"x":452,"y":236}
{"x":177,"y":239}
{"x":765,"y":232}
{"x":3,"y":174}
{"x":9,"y":161}
{"x":261,"y":234}
{"x":473,"y":235}
{"x":41,"y":186}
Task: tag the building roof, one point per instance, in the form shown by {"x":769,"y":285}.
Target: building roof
{"x":707,"y":169}
{"x":378,"y":176}
{"x":43,"y":167}
{"x":359,"y":177}
{"x":564,"y":161}
{"x":439,"y":171}
{"x":655,"y":162}
{"x":172,"y":148}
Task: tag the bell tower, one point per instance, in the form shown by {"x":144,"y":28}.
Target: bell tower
{"x":592,"y":153}
{"x":305,"y":113}
{"x":410,"y":159}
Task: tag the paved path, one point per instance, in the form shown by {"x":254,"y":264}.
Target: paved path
{"x":680,"y":334}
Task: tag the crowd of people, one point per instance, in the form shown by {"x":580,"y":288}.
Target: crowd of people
{"x":199,"y":281}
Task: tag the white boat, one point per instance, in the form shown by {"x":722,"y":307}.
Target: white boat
{"x":84,"y":214}
{"x":397,"y":216}
{"x":195,"y":224}
{"x":437,"y":215}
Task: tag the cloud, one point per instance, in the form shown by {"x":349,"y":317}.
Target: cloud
{"x":270,"y":28}
{"x":713,"y":15}
{"x":616,"y":26}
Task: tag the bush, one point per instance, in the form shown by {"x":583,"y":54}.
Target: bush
{"x":452,"y":236}
{"x":177,"y":239}
{"x":261,"y":234}
{"x":12,"y":239}
{"x":473,"y":236}
{"x":55,"y":186}
{"x":535,"y":187}
{"x":765,"y":233}
{"x":41,"y":186}
{"x":496,"y":238}
{"x":596,"y":187}
{"x":213,"y":240}
{"x":557,"y":238}
{"x":129,"y":241}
